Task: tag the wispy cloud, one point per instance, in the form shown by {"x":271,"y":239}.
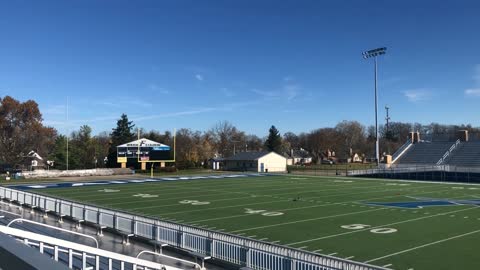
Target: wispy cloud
{"x":155,"y":88}
{"x":472,"y":92}
{"x":227,"y":92}
{"x":194,"y":111}
{"x":173,"y":114}
{"x":75,"y":123}
{"x":417,"y":95}
{"x":476,"y":74}
{"x":122,"y":103}
{"x":475,"y":91}
{"x":287,"y":91}
{"x":291,"y":91}
{"x":55,"y":110}
{"x":264,"y":93}
{"x":199,"y":77}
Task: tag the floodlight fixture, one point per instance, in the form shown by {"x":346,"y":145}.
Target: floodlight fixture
{"x":374,"y":52}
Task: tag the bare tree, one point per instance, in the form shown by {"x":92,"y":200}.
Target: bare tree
{"x":227,"y":138}
{"x":352,"y":135}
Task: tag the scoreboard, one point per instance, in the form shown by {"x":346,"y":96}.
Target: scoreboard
{"x":143,"y":150}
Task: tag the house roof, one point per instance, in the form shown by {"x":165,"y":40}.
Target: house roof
{"x":33,"y":154}
{"x":248,"y":155}
{"x":298,"y":153}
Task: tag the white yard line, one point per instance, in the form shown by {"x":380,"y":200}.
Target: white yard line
{"x":312,"y":206}
{"x":331,"y":254}
{"x":422,"y":246}
{"x":310,"y":219}
{"x":185,"y":190}
{"x":349,"y":258}
{"x":177,"y":204}
{"x":189,"y":193}
{"x":224,"y":207}
{"x":253,"y":183}
{"x":380,"y":226}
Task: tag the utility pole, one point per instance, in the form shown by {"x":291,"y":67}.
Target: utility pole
{"x":67,"y":133}
{"x":234,"y":147}
{"x":387,"y":118}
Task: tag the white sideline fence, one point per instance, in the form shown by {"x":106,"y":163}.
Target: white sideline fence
{"x":77,"y":255}
{"x":242,"y":251}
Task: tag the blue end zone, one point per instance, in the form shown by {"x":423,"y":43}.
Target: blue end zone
{"x":132,"y":181}
{"x":417,"y":204}
{"x":426,"y":203}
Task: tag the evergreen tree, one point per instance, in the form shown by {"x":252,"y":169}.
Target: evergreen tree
{"x":82,"y":149}
{"x":274,"y":140}
{"x":59,"y":155}
{"x":120,"y":135}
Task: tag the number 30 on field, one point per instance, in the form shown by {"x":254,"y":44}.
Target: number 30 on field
{"x":365,"y":226}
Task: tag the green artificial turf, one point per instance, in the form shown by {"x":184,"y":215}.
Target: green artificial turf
{"x":309,"y":212}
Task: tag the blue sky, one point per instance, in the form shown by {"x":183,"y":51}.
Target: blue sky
{"x":294,"y":64}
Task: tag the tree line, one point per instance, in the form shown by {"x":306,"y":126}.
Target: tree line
{"x":22,"y":130}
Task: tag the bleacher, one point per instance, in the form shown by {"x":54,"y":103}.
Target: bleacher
{"x":425,"y":153}
{"x":467,"y":154}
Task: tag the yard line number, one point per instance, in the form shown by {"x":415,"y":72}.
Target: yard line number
{"x":108,"y":190}
{"x":193,"y":202}
{"x":365,"y":226}
{"x":143,"y":195}
{"x":262,"y":212}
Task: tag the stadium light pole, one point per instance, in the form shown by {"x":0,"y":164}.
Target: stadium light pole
{"x":374,"y":54}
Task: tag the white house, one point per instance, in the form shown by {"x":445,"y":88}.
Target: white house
{"x":33,"y":161}
{"x":257,"y":162}
{"x":298,"y":156}
{"x":216,"y":163}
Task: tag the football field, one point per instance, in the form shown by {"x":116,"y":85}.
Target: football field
{"x":395,"y":224}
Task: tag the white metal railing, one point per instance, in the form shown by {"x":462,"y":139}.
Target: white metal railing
{"x":81,"y":252}
{"x":195,"y":265}
{"x":401,"y":150}
{"x":448,"y":152}
{"x":52,"y":227}
{"x":239,"y":250}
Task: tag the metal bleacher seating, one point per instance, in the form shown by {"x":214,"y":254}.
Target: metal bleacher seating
{"x":425,"y":153}
{"x":468,"y":155}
